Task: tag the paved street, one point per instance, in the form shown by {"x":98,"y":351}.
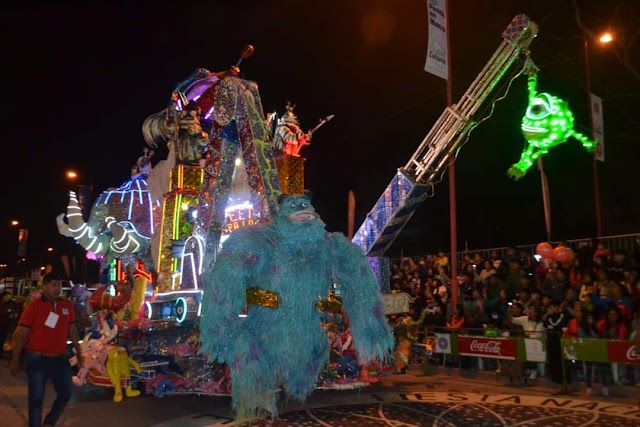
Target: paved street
{"x":412,"y":399}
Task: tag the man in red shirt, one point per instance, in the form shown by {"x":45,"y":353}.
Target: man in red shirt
{"x":44,"y":327}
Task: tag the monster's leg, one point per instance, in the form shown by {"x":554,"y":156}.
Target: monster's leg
{"x":129,"y":391}
{"x":114,"y":376}
{"x":518,"y":170}
{"x":253,"y":391}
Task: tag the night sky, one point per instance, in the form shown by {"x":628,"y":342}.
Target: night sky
{"x":78,"y":81}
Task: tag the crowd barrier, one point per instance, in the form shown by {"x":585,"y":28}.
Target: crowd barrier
{"x":532,"y":349}
{"x":626,"y":242}
{"x":21,"y":287}
{"x":600,"y":350}
{"x":523,"y":350}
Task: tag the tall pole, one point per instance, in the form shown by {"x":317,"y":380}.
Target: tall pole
{"x":453,"y":223}
{"x":546,"y":201}
{"x":596,"y":181}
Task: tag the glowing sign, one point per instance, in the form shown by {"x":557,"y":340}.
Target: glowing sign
{"x":238,"y":216}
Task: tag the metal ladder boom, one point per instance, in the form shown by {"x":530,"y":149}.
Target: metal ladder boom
{"x":410,"y":186}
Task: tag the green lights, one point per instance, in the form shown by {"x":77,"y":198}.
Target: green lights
{"x":548,"y":122}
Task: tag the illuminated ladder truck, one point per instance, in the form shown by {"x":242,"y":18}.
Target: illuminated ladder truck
{"x":411,"y":184}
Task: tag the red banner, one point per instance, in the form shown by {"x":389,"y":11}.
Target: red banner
{"x":623,"y":351}
{"x":495,"y":348}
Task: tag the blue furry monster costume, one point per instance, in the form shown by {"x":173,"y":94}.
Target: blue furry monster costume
{"x":277,"y":273}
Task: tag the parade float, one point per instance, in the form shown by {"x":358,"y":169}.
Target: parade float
{"x":155,"y":234}
{"x":226,"y":167}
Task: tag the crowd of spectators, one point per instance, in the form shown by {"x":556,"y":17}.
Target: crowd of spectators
{"x":595,"y":293}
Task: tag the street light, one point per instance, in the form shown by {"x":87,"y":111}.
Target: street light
{"x":45,"y":259}
{"x":606,"y":38}
{"x":603,"y":39}
{"x":85,"y":198}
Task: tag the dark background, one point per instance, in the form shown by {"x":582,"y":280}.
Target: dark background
{"x":79,"y":79}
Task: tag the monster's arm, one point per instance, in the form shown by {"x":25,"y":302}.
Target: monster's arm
{"x":362,"y":301}
{"x":135,"y":365}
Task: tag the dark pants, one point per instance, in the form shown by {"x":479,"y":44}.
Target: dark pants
{"x":4,"y":331}
{"x":39,"y":370}
{"x":601,"y":368}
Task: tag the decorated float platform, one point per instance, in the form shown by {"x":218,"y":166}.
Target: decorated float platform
{"x":226,"y":165}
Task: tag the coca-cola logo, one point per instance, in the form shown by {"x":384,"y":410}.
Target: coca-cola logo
{"x":489,"y":347}
{"x":633,"y":353}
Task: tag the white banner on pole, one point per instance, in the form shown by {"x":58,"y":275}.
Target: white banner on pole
{"x":597,"y":124}
{"x":437,"y":50}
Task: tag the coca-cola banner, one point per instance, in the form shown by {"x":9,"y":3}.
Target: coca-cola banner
{"x":623,"y":352}
{"x":495,"y":348}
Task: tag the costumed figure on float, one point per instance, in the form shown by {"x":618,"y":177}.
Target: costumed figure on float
{"x":288,"y":137}
{"x":261,"y":316}
{"x":95,"y":347}
{"x":119,"y":366}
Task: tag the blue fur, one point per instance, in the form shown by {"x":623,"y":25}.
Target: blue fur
{"x":285,"y":349}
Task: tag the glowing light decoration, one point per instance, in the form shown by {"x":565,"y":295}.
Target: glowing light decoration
{"x":147,"y":304}
{"x":238,"y":216}
{"x":191,"y":266}
{"x":548,"y":122}
{"x":181,"y":309}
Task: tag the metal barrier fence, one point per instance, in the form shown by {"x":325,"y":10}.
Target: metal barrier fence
{"x":626,"y":242}
{"x":512,"y":355}
{"x":524,"y":349}
{"x":20,"y":287}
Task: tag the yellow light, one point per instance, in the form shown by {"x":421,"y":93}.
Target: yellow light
{"x":14,"y":223}
{"x":49,"y":249}
{"x":72,"y":175}
{"x":606,"y":38}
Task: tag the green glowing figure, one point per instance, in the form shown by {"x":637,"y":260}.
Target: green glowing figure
{"x":548,"y":122}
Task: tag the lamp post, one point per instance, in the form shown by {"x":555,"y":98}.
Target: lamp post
{"x":23,"y":236}
{"x":604,"y":39}
{"x":46,"y":256}
{"x":85,"y":198}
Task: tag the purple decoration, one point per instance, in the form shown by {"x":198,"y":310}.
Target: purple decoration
{"x":197,"y":88}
